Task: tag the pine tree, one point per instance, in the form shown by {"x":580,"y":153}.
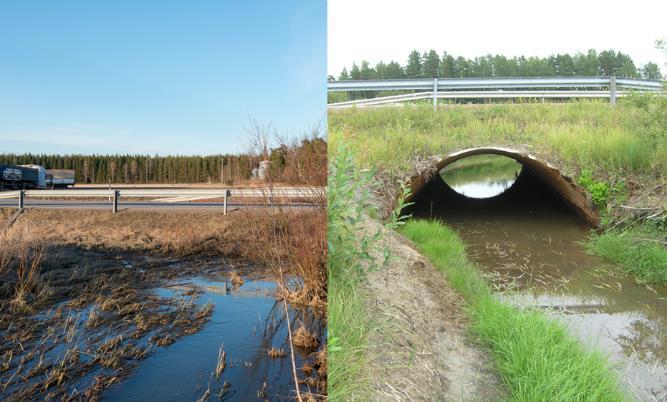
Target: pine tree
{"x":651,"y":71}
{"x":431,"y":66}
{"x":414,"y":67}
{"x":344,"y":75}
{"x":355,"y":73}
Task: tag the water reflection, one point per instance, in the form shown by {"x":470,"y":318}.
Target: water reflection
{"x":247,"y":321}
{"x":481,"y":176}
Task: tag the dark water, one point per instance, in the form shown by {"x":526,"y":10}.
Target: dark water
{"x":534,"y":257}
{"x":246,"y":323}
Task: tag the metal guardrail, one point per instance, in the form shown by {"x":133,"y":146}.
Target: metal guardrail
{"x":476,"y":94}
{"x":483,"y":88}
{"x":116,"y":194}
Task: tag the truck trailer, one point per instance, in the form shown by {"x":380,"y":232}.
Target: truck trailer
{"x":59,"y":178}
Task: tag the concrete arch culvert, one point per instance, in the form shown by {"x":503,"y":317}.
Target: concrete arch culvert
{"x":538,"y":184}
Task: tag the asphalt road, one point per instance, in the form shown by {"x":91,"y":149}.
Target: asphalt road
{"x":76,"y":204}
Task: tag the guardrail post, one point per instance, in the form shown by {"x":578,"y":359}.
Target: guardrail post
{"x":21,"y":200}
{"x":612,"y":90}
{"x":224,"y":208}
{"x":114,"y":207}
{"x":435,"y":94}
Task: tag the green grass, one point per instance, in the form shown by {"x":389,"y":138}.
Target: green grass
{"x":628,"y":138}
{"x":638,"y":251}
{"x":535,"y":356}
{"x":349,"y":258}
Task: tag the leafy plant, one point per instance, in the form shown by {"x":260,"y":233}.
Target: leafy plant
{"x":397,"y":218}
{"x":350,"y":258}
{"x":599,"y":190}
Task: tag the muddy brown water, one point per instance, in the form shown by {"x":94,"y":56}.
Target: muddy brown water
{"x":533,"y":255}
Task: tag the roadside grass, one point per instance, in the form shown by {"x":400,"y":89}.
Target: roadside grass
{"x":349,"y":322}
{"x":639,"y":251}
{"x":625,"y":138}
{"x":536,"y":357}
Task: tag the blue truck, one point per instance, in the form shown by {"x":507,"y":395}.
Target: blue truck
{"x":14,"y":177}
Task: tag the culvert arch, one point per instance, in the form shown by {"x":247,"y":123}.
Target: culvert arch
{"x":538,"y":182}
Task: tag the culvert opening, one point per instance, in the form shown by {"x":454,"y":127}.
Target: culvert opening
{"x":497,"y":181}
{"x":481,"y":176}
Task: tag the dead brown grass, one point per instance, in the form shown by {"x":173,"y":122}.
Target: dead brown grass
{"x":178,"y":233}
{"x":95,"y":260}
{"x":293,"y":245}
{"x":21,"y":255}
{"x":236,"y":279}
{"x":276,"y":353}
{"x":304,"y":339}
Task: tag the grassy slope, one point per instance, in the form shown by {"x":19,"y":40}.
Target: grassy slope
{"x":537,"y":358}
{"x":627,"y":139}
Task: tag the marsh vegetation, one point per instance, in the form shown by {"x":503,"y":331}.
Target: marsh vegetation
{"x":92,"y":302}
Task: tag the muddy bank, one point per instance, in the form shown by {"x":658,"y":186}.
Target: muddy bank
{"x":421,"y":351}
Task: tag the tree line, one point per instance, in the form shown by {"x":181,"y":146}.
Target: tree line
{"x":431,"y":64}
{"x":286,"y":162}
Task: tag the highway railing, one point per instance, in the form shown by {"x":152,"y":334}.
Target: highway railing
{"x":114,"y":195}
{"x":490,"y":88}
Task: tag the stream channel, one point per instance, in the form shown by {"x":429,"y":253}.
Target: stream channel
{"x":534,"y":255}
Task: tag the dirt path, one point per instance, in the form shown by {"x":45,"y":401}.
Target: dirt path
{"x":422,"y":351}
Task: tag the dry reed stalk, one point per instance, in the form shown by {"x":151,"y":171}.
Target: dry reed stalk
{"x":21,"y":257}
{"x":222,"y":363}
{"x":289,"y":333}
{"x":291,"y":244}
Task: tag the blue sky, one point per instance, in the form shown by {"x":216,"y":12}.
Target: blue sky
{"x":165,"y":77}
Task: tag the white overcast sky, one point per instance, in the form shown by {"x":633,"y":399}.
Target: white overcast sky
{"x":387,"y":30}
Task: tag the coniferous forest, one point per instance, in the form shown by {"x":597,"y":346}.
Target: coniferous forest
{"x":432,"y":64}
{"x":285,"y":166}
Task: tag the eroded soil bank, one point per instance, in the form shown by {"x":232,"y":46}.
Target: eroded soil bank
{"x":148,"y":301}
{"x":421,"y":351}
